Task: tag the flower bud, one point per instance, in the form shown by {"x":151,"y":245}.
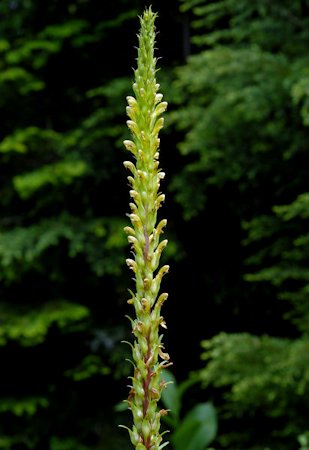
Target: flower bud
{"x":142,"y":368}
{"x":129,"y":164}
{"x":157,"y":280}
{"x":161,"y":108}
{"x":147,"y":283}
{"x":157,"y":127}
{"x":157,"y":254}
{"x":161,"y":225}
{"x":140,"y":446}
{"x":160,"y":199}
{"x":129,"y":230}
{"x":133,"y":126}
{"x":131,"y":264}
{"x":135,"y":195}
{"x":129,"y":145}
{"x":134,"y":218}
{"x":134,"y":208}
{"x":144,"y":345}
{"x":136,"y":352}
{"x":146,"y":429}
{"x":162,"y":298}
{"x":131,"y":101}
{"x":132,"y":240}
{"x":162,"y":323}
{"x":134,"y":436}
{"x":158,"y":97}
{"x":138,"y":414}
{"x":164,"y":356}
{"x":131,"y":180}
{"x":146,"y":304}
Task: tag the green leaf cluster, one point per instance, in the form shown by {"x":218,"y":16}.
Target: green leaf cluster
{"x":242,"y":109}
{"x":259,"y":377}
{"x":282,"y":259}
{"x":62,"y":211}
{"x":198,"y":428}
{"x":239,"y":111}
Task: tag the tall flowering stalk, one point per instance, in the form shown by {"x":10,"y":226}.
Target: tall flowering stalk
{"x":149,"y":358}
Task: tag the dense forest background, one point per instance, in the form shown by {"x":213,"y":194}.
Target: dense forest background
{"x":235,"y":149}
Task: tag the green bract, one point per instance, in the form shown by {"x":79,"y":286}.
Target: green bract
{"x":144,"y":111}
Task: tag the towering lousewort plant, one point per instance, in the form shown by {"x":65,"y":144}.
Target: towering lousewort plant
{"x":149,"y":358}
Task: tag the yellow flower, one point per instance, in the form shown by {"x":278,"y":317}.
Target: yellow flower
{"x":145,"y":122}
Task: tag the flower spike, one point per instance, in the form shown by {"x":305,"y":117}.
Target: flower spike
{"x":145,"y":121}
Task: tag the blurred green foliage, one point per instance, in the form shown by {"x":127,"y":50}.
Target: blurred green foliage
{"x":244,"y":118}
{"x":236,"y":156}
{"x":62,"y":213}
{"x":31,"y":327}
{"x":198,"y":428}
{"x":260,"y":377}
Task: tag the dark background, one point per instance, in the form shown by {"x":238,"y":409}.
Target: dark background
{"x":235,"y":151}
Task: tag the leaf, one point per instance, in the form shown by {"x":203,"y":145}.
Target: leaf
{"x":30,"y":139}
{"x":64,"y":171}
{"x":30,"y":327}
{"x":23,"y":79}
{"x":198,"y":428}
{"x":4,"y":45}
{"x":27,"y":406}
{"x":67,"y":443}
{"x":65,"y":30}
{"x":186,"y":384}
{"x":90,"y":366}
{"x":170,"y":396}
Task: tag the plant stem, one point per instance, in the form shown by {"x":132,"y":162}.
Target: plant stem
{"x":144,"y":111}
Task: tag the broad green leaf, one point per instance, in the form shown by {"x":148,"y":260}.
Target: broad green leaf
{"x":170,"y":395}
{"x":197,"y":430}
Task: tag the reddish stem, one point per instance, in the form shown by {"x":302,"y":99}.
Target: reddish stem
{"x":146,"y":384}
{"x":146,"y":248}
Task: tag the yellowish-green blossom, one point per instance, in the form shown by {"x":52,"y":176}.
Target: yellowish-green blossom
{"x":149,"y":358}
